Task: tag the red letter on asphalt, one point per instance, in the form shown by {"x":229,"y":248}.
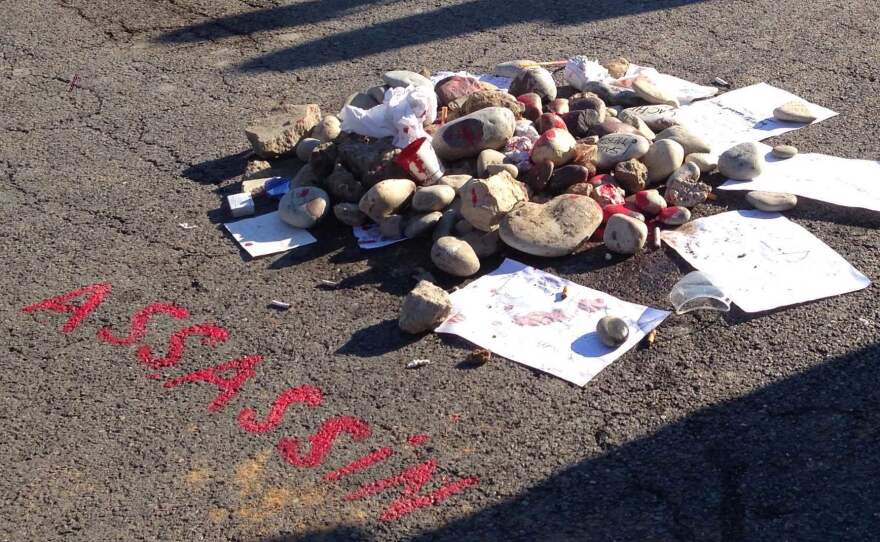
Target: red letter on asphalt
{"x":212,"y":335}
{"x":309,"y":395}
{"x":96,"y":292}
{"x":138,"y":326}
{"x":412,"y":480}
{"x":244,"y":369}
{"x":322,"y":441}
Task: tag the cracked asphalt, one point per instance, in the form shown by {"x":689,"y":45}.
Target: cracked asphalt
{"x":730,"y":427}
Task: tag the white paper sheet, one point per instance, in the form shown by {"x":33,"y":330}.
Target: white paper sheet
{"x":841,"y":181}
{"x":518,"y":312}
{"x":763,"y":260}
{"x":267,"y":234}
{"x":684,"y":90}
{"x":742,"y":115}
{"x":370,"y":237}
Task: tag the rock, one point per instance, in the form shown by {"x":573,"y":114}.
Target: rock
{"x":674,"y":216}
{"x":455,"y":257}
{"x":304,"y":177}
{"x":617,"y":67}
{"x":253,"y":169}
{"x":581,"y":189}
{"x":688,"y":140}
{"x":664,"y":157}
{"x":652,"y":94}
{"x":643,"y":129}
{"x":559,"y":106}
{"x":610,"y":210}
{"x":771,"y":201}
{"x":612,"y":125}
{"x":421,"y":224}
{"x":549,"y":120}
{"x":494,"y":169}
{"x":582,"y":122}
{"x":611,"y":112}
{"x":567,"y":176}
{"x":631,"y":175}
{"x":539,"y":175}
{"x":741,"y":162}
{"x":455,"y":87}
{"x":349,"y":214}
{"x":305,"y":147}
{"x":613,"y":95}
{"x":705,"y":162}
{"x":405,"y":78}
{"x":588,"y":101}
{"x":485,"y":201}
{"x":342,"y":185}
{"x":486,"y":158}
{"x":386,"y":198}
{"x":463,"y":227}
{"x":612,"y":331}
{"x":625,"y":234}
{"x":512,"y":68}
{"x":555,"y":145}
{"x":446,"y":224}
{"x":485,"y":244}
{"x":683,"y":188}
{"x":488,"y":128}
{"x":555,"y":228}
{"x":532,"y":103}
{"x":424,"y":308}
{"x":657,"y":117}
{"x":650,"y":202}
{"x":483,"y":100}
{"x":794,"y":111}
{"x":784,"y":151}
{"x":377,"y":93}
{"x":392,"y":226}
{"x":616,"y":148}
{"x":303,"y":207}
{"x":586,"y":155}
{"x":279,"y":133}
{"x":534,"y":79}
{"x":433,"y":198}
{"x":608,"y":194}
{"x":455,"y":181}
{"x":361,"y":100}
{"x":369,"y":159}
{"x":323,"y":159}
{"x":328,"y":129}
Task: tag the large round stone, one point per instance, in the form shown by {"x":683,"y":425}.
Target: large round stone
{"x":555,"y":228}
{"x":488,"y":128}
{"x":433,"y":198}
{"x":691,"y":142}
{"x":657,"y":117}
{"x":386,"y":197}
{"x":534,"y":79}
{"x":424,"y":308}
{"x":555,"y":145}
{"x":664,"y":157}
{"x":652,"y":94}
{"x":303,"y":207}
{"x":485,"y":201}
{"x":741,"y":162}
{"x":455,"y":257}
{"x":405,"y":78}
{"x":625,"y":234}
{"x":455,"y":87}
{"x":771,"y":201}
{"x":615,"y":148}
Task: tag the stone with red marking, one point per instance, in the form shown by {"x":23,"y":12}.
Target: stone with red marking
{"x":556,"y":145}
{"x":488,"y":128}
{"x":549,"y":120}
{"x":485,"y":201}
{"x":674,"y":216}
{"x":455,"y":87}
{"x":650,"y":201}
{"x":608,"y":194}
{"x":304,"y":207}
{"x":532,"y":103}
{"x":610,"y":210}
{"x":559,"y":106}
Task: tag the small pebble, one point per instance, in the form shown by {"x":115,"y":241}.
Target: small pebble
{"x":784,"y":151}
{"x":771,"y":201}
{"x":613,"y":331}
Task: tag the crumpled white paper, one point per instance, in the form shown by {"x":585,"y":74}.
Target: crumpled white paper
{"x":580,"y":70}
{"x":503,"y":83}
{"x":402,"y":114}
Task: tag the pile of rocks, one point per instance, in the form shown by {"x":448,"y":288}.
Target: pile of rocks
{"x":543,"y":168}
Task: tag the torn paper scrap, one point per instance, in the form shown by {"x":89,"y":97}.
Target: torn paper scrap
{"x":840,"y":181}
{"x":742,"y":115}
{"x":683,"y":90}
{"x":267,"y":234}
{"x":520,"y":313}
{"x":370,"y":237}
{"x":763,"y":260}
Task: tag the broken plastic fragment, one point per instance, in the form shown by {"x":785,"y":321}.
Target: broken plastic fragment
{"x":695,"y":291}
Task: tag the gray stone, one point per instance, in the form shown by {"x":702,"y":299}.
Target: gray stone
{"x":446,"y":224}
{"x":534,"y":79}
{"x":494,"y":169}
{"x":486,"y":158}
{"x":657,"y":117}
{"x":616,"y":148}
{"x":463,"y":227}
{"x":305,"y":147}
{"x":485,"y":201}
{"x":377,"y":93}
{"x":555,"y":228}
{"x":741,"y":162}
{"x":405,"y":78}
{"x":612,"y":95}
{"x":705,"y":162}
{"x":688,"y":140}
{"x":612,"y":331}
{"x":784,"y":151}
{"x":386,"y":198}
{"x":343,"y":186}
{"x":652,"y":94}
{"x":683,"y":188}
{"x":631,"y":175}
{"x":664,"y":157}
{"x":424,"y":308}
{"x":328,"y":129}
{"x":555,"y":145}
{"x":624,"y":234}
{"x":433,"y":198}
{"x":279,"y":133}
{"x":794,"y":111}
{"x":485,"y":244}
{"x":488,"y":128}
{"x":421,"y":224}
{"x":361,"y":100}
{"x":455,"y":181}
{"x":637,"y":123}
{"x":771,"y":201}
{"x":455,"y":257}
{"x":303,"y":207}
{"x":392,"y":226}
{"x":349,"y":214}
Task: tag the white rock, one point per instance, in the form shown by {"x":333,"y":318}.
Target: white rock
{"x":484,"y":202}
{"x":455,"y":257}
{"x":386,"y":197}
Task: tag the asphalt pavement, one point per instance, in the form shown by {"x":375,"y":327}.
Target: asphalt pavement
{"x":730,"y":427}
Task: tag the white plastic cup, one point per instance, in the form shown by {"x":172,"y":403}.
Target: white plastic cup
{"x":420,"y":161}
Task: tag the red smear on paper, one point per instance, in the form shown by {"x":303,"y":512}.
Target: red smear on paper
{"x":229,"y":387}
{"x":322,"y":441}
{"x":359,"y":464}
{"x":96,"y":292}
{"x":212,"y":334}
{"x":138,"y":326}
{"x":309,"y":395}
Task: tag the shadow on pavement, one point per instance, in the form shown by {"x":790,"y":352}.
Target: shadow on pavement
{"x":796,"y":460}
{"x":429,"y":26}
